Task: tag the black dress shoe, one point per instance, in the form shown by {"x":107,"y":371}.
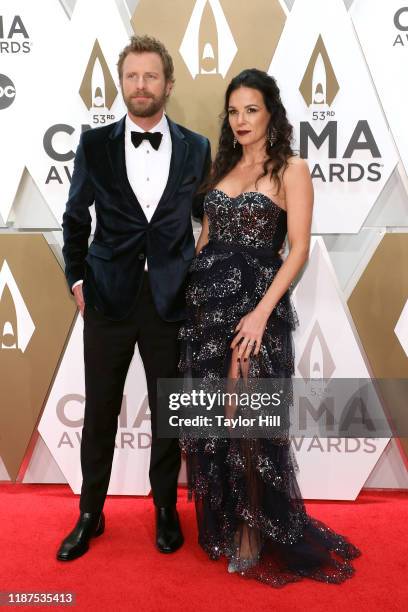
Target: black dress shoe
{"x":168,"y":533}
{"x":89,"y":525}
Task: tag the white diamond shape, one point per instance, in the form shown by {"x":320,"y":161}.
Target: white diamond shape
{"x":348,"y":175}
{"x":343,"y":464}
{"x":25,"y":325}
{"x":381,"y":28}
{"x":63,"y":109}
{"x":189,"y":48}
{"x":61,"y":423}
{"x":401,"y":328}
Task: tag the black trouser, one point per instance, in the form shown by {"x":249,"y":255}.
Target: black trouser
{"x":108,"y":351}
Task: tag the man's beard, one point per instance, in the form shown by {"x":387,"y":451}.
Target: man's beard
{"x":144,"y":109}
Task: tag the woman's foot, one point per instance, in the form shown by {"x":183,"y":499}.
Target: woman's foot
{"x":246,"y":551}
{"x":241,"y":564}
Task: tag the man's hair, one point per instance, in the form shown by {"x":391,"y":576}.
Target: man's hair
{"x":147,"y":44}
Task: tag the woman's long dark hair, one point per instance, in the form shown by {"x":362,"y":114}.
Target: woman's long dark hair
{"x":277,"y":154}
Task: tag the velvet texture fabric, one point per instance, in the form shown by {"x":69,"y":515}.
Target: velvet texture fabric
{"x":112,"y":268}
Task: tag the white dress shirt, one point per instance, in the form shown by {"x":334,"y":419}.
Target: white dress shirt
{"x":146,"y":168}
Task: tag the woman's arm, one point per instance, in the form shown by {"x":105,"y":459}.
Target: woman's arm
{"x":203,"y":239}
{"x":299,"y":206}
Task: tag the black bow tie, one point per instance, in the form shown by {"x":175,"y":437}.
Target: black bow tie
{"x":153,"y":137}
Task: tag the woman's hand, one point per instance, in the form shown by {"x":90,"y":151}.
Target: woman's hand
{"x":203,"y":238}
{"x":250,"y":331}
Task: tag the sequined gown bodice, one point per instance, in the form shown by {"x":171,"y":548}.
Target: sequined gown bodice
{"x":250,"y":219}
{"x":248,"y":503}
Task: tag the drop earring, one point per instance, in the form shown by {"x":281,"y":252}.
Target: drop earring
{"x":272,"y":134}
{"x":234,"y":142}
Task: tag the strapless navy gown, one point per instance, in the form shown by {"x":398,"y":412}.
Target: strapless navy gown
{"x":248,"y":503}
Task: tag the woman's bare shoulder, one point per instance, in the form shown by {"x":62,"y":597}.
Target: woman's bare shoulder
{"x":297,"y":162}
{"x":297,"y":166}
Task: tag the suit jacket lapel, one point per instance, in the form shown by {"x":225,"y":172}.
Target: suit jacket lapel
{"x":116,"y":152}
{"x":179,"y":152}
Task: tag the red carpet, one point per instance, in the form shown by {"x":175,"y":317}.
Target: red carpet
{"x":122,"y":570}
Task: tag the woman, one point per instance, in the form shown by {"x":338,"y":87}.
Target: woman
{"x":239,"y":328}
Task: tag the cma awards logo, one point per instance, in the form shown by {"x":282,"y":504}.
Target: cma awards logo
{"x":16,"y":324}
{"x":208,"y":46}
{"x":319,"y":85}
{"x":98,"y":90}
{"x":401,"y":24}
{"x":98,"y":93}
{"x":317,"y":366}
{"x":319,"y":88}
{"x":316,"y":361}
{"x":14,"y":37}
{"x":127,"y":436}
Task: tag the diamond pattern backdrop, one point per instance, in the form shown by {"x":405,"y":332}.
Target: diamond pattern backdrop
{"x":340,"y":66}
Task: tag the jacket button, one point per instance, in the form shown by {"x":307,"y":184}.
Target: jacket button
{"x":141,"y":256}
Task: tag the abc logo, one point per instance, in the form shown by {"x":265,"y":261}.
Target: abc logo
{"x":7,"y":91}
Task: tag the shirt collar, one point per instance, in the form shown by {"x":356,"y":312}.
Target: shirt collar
{"x":162,"y":126}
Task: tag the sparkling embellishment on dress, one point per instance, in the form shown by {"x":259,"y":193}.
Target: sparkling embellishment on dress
{"x":248,"y":502}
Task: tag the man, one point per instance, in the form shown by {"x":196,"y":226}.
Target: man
{"x":142,"y":173}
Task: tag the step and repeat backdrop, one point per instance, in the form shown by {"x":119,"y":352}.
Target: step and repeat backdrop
{"x":341,"y":67}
